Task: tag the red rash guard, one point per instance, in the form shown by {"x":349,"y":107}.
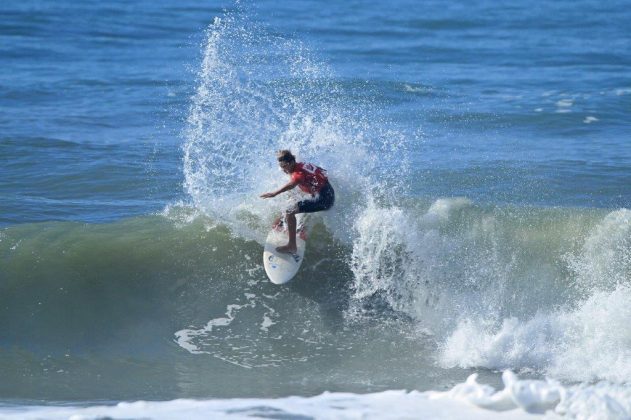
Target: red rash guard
{"x":309,"y":177}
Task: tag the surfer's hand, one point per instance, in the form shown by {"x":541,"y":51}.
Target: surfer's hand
{"x":268,"y":195}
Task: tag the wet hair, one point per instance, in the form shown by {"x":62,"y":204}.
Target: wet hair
{"x":285,"y":156}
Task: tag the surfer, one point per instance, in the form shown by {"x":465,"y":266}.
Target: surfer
{"x":311,"y":179}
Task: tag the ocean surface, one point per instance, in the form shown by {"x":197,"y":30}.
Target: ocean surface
{"x":477,"y":262}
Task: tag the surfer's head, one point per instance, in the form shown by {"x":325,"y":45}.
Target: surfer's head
{"x":286,"y":160}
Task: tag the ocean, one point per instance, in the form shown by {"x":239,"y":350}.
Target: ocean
{"x":476,"y":264}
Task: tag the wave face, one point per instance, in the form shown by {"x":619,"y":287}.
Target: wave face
{"x":442,"y":287}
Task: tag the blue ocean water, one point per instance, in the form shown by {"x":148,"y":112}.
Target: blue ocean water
{"x":520,"y":102}
{"x":480,"y":153}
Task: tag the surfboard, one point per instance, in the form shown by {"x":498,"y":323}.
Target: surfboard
{"x":282,"y":267}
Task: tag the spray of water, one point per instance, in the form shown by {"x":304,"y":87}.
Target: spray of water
{"x":257,"y":93}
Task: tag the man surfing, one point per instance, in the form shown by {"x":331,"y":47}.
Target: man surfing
{"x":310,"y":179}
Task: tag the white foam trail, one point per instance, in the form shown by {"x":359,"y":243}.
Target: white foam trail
{"x":186,"y":336}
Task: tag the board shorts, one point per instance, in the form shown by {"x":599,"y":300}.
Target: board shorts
{"x":323,"y":201}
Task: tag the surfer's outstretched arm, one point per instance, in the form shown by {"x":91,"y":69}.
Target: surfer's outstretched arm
{"x":290,"y":217}
{"x":289,"y":186}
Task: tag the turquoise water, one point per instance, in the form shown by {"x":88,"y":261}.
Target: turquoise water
{"x":480,"y":155}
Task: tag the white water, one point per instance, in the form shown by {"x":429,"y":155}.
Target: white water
{"x":519,"y":399}
{"x":585,"y":340}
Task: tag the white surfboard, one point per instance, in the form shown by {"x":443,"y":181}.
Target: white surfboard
{"x":282,"y":267}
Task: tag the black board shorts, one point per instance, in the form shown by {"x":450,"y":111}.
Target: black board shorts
{"x":323,"y":201}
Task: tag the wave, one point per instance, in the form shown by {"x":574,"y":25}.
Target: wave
{"x":450,"y":282}
{"x":71,"y":285}
{"x":540,"y":290}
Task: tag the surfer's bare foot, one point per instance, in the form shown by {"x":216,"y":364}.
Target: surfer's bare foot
{"x":287,"y":249}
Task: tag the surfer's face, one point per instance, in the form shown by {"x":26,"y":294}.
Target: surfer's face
{"x":287,"y":167}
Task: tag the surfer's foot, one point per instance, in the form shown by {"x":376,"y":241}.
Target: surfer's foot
{"x":287,"y":249}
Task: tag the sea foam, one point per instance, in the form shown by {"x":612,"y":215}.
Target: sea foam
{"x":519,"y":399}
